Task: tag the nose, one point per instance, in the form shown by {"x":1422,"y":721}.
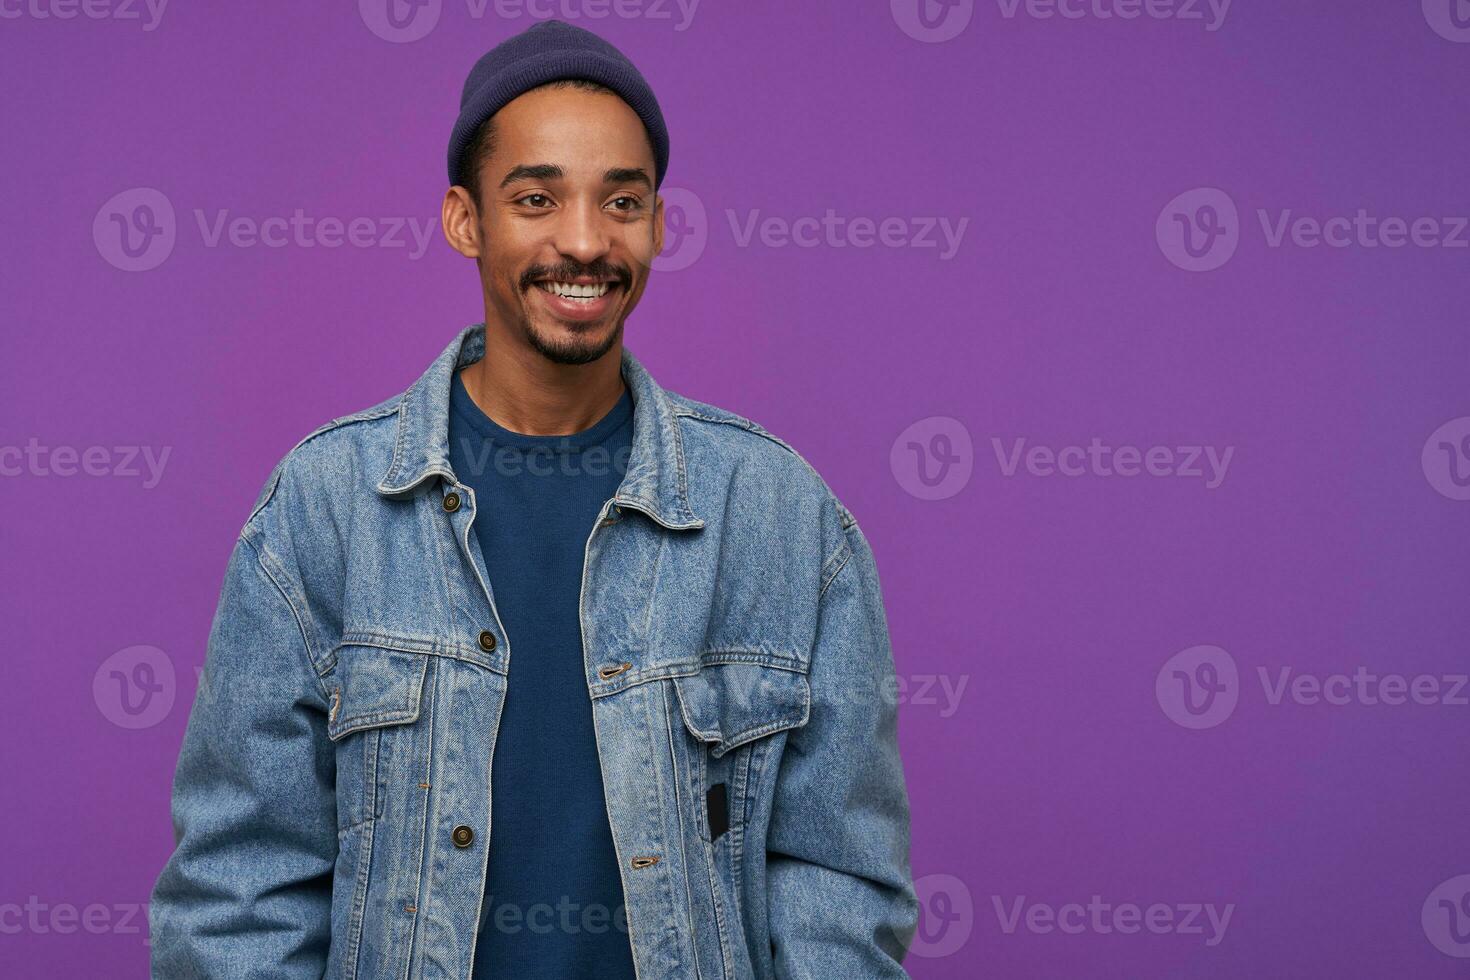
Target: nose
{"x":582,"y":233}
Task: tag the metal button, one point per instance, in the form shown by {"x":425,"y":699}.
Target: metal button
{"x":463,"y":835}
{"x":451,"y":501}
{"x":487,"y":640}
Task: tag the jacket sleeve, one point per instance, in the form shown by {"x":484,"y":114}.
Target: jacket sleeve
{"x":246,"y":892}
{"x":839,"y":888}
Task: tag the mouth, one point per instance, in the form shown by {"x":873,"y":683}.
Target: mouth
{"x":579,"y":300}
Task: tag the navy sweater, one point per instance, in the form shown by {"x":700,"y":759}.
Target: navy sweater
{"x":553,"y":906}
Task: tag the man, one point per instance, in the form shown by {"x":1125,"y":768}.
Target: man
{"x":651,"y":614}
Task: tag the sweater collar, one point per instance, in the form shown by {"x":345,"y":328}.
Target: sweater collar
{"x":655,"y":483}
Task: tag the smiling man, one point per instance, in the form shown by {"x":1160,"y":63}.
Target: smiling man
{"x":538,"y":669}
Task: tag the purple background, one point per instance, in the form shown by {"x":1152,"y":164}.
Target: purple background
{"x":1058,"y":774}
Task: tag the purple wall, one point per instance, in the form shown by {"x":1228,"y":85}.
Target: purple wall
{"x":979,"y":266}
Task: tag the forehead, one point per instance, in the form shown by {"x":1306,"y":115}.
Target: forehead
{"x":578,"y":130}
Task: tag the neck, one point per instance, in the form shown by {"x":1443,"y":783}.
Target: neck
{"x":523,"y":391}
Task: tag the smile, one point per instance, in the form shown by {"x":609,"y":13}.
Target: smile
{"x":589,"y":301}
{"x":577,"y":292}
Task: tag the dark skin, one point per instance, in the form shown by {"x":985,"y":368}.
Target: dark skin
{"x":567,"y":195}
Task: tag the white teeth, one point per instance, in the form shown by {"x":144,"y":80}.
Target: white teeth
{"x":571,"y":290}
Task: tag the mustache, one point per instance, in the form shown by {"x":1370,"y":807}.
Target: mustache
{"x":567,"y":271}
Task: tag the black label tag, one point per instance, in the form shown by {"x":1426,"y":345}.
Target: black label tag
{"x":719,"y":810}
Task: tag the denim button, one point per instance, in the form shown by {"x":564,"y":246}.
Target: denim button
{"x":451,"y":501}
{"x":463,"y":835}
{"x":487,"y":640}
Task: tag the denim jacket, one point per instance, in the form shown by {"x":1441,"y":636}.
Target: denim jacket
{"x":331,"y":801}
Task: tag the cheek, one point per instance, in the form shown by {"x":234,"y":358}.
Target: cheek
{"x":503,"y":282}
{"x":640,"y":250}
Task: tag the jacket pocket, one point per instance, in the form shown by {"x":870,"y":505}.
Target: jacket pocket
{"x":372,"y":690}
{"x":729,"y":704}
{"x":732,"y":711}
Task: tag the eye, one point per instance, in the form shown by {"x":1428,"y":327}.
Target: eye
{"x":632,"y":203}
{"x":535,"y":199}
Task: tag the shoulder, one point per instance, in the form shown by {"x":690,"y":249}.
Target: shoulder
{"x":355,"y":447}
{"x":752,"y":452}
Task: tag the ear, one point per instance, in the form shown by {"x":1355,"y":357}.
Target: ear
{"x":658,"y":225}
{"x":461,"y":221}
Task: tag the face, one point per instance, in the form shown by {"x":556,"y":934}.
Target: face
{"x":568,"y":222}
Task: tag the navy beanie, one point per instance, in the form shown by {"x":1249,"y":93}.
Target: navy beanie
{"x":546,"y":51}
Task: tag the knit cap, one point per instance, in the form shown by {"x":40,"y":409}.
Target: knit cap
{"x":544,"y":52}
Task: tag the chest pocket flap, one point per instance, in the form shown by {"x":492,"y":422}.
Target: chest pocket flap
{"x":371,"y":686}
{"x":729,"y":704}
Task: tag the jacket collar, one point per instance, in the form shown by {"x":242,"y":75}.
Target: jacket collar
{"x":655,"y":482}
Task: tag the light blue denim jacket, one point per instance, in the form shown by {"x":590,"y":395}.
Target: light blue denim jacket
{"x":733,"y":632}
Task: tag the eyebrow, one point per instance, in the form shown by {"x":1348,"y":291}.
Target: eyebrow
{"x":550,"y":171}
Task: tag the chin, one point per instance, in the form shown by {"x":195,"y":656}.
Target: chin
{"x":573,"y":343}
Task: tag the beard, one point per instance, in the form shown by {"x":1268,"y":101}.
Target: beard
{"x":577,"y":349}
